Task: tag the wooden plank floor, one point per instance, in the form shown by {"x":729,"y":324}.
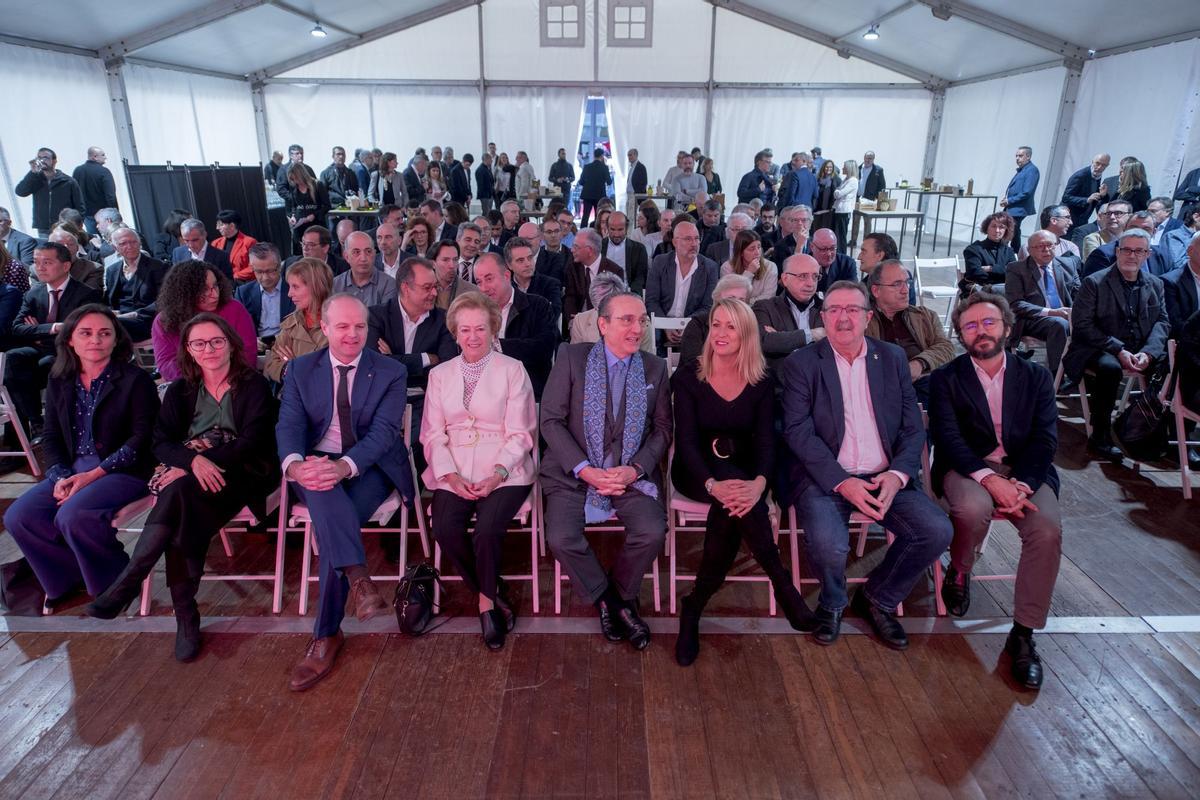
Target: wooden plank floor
{"x":111,"y":714}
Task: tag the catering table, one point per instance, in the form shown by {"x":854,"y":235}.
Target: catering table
{"x":355,"y":214}
{"x":954,"y":198}
{"x":871,"y":217}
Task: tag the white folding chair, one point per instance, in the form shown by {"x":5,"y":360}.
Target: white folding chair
{"x":8,"y":413}
{"x":300,"y":518}
{"x":665,"y":324}
{"x":1128,"y":379}
{"x":1182,"y":415}
{"x":604,"y":527}
{"x":937,"y":291}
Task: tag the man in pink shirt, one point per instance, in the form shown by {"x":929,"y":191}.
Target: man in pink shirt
{"x":851,"y":420}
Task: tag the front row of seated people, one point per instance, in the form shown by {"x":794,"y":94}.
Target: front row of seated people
{"x":850,"y":421}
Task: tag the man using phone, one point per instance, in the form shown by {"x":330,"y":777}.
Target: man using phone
{"x":52,"y":190}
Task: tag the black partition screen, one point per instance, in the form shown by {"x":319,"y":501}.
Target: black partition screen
{"x":205,"y":190}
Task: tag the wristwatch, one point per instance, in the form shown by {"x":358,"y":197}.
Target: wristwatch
{"x":502,"y":472}
{"x":708,"y":485}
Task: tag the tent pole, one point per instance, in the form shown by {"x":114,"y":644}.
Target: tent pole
{"x":708,"y":89}
{"x":1062,"y":131}
{"x":119,"y":99}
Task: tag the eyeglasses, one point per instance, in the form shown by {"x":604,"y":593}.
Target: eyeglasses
{"x":1133,"y":251}
{"x":988,"y":323}
{"x":837,"y":311}
{"x":264,"y":272}
{"x":901,"y":284}
{"x":216,"y":344}
{"x":629,"y":320}
{"x":827,"y":249}
{"x":1114,"y":213}
{"x":807,"y":277}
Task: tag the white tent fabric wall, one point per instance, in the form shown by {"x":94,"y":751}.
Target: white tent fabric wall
{"x":1142,"y":104}
{"x":892,"y":123}
{"x":408,"y":117}
{"x":681,"y":32}
{"x":659,"y":123}
{"x":512,"y":48}
{"x":538,"y":121}
{"x":317,"y":118}
{"x":190,"y":119}
{"x":76,"y":88}
{"x":983,"y":125}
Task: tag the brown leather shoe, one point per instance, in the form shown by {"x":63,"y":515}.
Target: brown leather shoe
{"x":366,"y":600}
{"x":317,"y":662}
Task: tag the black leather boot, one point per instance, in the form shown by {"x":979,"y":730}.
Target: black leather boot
{"x":798,"y":614}
{"x":187,"y":620}
{"x":149,"y":548}
{"x":687,"y":644}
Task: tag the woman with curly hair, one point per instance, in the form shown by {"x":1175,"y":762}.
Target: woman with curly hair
{"x":191,"y":288}
{"x":985,"y":260}
{"x":215,"y":443}
{"x":418,"y":235}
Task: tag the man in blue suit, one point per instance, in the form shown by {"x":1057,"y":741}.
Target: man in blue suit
{"x":340,"y":439}
{"x":265,"y":297}
{"x":800,"y":185}
{"x":1018,"y":198}
{"x":851,"y":420}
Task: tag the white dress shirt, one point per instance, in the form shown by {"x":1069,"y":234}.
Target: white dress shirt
{"x":331,"y":442}
{"x":683,"y":285}
{"x":410,"y":332}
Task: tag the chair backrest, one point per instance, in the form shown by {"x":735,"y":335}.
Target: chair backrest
{"x":668,"y":323}
{"x":936,"y":263}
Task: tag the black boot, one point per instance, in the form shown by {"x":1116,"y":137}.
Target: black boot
{"x":687,"y":644}
{"x":798,"y":614}
{"x":112,"y":601}
{"x":187,"y":620}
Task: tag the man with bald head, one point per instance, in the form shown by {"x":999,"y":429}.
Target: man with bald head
{"x":681,"y":283}
{"x":83,"y":270}
{"x":1159,"y":262}
{"x":835,"y":266}
{"x":388,"y":257}
{"x":370,"y":285}
{"x":1040,"y":290}
{"x":1083,"y":194}
{"x":721,"y":251}
{"x":792,"y":319}
{"x":96,"y":185}
{"x":586,"y":261}
{"x":626,"y":253}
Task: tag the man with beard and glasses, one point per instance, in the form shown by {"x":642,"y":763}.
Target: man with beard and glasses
{"x":1001,"y":462}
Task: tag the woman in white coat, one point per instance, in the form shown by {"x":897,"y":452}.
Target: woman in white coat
{"x":478,"y":430}
{"x":844,"y":198}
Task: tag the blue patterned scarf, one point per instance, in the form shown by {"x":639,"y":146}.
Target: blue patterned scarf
{"x":598,"y":507}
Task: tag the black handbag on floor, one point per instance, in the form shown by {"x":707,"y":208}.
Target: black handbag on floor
{"x":414,"y":598}
{"x":20,"y":592}
{"x":1142,"y":428}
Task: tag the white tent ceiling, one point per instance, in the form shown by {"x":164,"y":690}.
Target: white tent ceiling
{"x":934,"y":41}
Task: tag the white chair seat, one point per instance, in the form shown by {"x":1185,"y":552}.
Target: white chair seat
{"x":936,"y":291}
{"x":382,"y":515}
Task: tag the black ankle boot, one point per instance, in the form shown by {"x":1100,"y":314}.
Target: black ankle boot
{"x":112,"y":601}
{"x":187,"y":621}
{"x":798,"y":614}
{"x":687,"y":644}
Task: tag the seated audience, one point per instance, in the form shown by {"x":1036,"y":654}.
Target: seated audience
{"x":309,"y":285}
{"x":590,"y":472}
{"x":518,"y":256}
{"x":469,"y":244}
{"x":344,"y":453}
{"x":681,"y":283}
{"x":585,"y":326}
{"x":794,"y":223}
{"x":766,"y":228}
{"x":1182,"y":289}
{"x":100,"y":411}
{"x":364,"y":280}
{"x":725,"y":454}
{"x":528,"y":331}
{"x":213,"y":442}
{"x":1111,"y":221}
{"x":433,"y":213}
{"x":191,"y":288}
{"x":1178,"y":239}
{"x":19,"y":244}
{"x":132,"y":284}
{"x":83,"y":269}
{"x":747,"y":260}
{"x":32,"y":343}
{"x":167,"y":240}
{"x":834,"y":266}
{"x":916,"y":330}
{"x":418,"y":236}
{"x":1057,"y":220}
{"x":585,"y":263}
{"x":722,"y":251}
{"x":479,"y":431}
{"x":691,"y":344}
{"x":649,"y":225}
{"x":387,"y":241}
{"x":985,"y":260}
{"x":709,"y":224}
{"x":446,"y":263}
{"x":265,"y":298}
{"x":195,"y":247}
{"x":1040,"y":289}
{"x":791,"y":319}
{"x":235,"y":244}
{"x":827,"y":417}
{"x":552,"y":257}
{"x":998,"y":462}
{"x":410,"y":328}
{"x":625,"y":253}
{"x":1119,"y":324}
{"x":315,"y":243}
{"x":1159,"y":263}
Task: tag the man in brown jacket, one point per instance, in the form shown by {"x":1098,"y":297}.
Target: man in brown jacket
{"x":916,"y":329}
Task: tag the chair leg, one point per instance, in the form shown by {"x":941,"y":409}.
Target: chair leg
{"x":1083,"y":406}
{"x":672,"y":559}
{"x":225,"y":543}
{"x":144,"y":607}
{"x":277,"y":593}
{"x":657,"y":588}
{"x":19,"y":428}
{"x":306,"y":568}
{"x":437,"y":565}
{"x":557,"y":587}
{"x":1181,"y":439}
{"x":534,"y":532}
{"x":938,"y":578}
{"x":421,"y":526}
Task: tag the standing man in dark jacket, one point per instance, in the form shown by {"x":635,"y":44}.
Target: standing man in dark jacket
{"x":96,"y":185}
{"x":1019,"y":196}
{"x":485,"y":181}
{"x":52,"y":191}
{"x":1083,"y":193}
{"x":757,"y":182}
{"x":562,"y":175}
{"x":339,"y":179}
{"x":460,"y":180}
{"x":593,"y":184}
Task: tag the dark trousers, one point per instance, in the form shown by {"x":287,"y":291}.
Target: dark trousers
{"x":723,"y":537}
{"x":1016,"y":239}
{"x":588,"y":207}
{"x":25,"y":376}
{"x":922,"y":531}
{"x":1103,"y":385}
{"x":645,"y":522}
{"x":841,"y":224}
{"x":138,"y":328}
{"x":476,"y":554}
{"x":74,"y":542}
{"x":1051,"y":330}
{"x":338,"y":515}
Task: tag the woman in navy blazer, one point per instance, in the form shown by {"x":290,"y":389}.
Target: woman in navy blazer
{"x":100,"y":411}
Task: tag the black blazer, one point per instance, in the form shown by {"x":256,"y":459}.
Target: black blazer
{"x":146,"y":282}
{"x":961,"y":424}
{"x":485,"y":179}
{"x":1180,"y":289}
{"x":549,"y":290}
{"x":637,"y":263}
{"x":21,"y":246}
{"x":874,"y":184}
{"x":1098,"y":317}
{"x":250,"y":456}
{"x":986,"y":253}
{"x":553,"y":265}
{"x":250,"y":295}
{"x":1080,"y":186}
{"x":386,"y":321}
{"x":575,"y":292}
{"x":530,"y":337}
{"x":460,"y":184}
{"x":36,"y":304}
{"x":413,"y":187}
{"x":637,"y":178}
{"x":562,"y":419}
{"x":213,"y":255}
{"x":594,"y":179}
{"x":660,"y":286}
{"x":776,"y":312}
{"x":125,"y":414}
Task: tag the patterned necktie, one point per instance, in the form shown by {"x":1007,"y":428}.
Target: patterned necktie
{"x":52,"y":313}
{"x":465,"y":268}
{"x":345,"y":420}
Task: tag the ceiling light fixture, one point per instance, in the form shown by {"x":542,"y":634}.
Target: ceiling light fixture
{"x":872,"y":34}
{"x":318,"y":31}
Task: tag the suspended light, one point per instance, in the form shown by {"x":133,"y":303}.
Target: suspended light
{"x":871,"y":35}
{"x":318,"y":31}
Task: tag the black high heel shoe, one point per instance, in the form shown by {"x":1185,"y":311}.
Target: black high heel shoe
{"x":493,"y":626}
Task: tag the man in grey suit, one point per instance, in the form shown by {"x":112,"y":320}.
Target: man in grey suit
{"x":722,"y":251}
{"x":625,"y":252}
{"x":791,"y":320}
{"x":606,"y":419}
{"x":20,"y":245}
{"x":681,"y":283}
{"x":1040,"y":291}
